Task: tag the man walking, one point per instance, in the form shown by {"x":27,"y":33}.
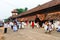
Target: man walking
{"x":5,"y":27}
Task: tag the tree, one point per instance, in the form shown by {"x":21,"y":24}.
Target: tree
{"x":26,"y":9}
{"x":21,"y":10}
{"x":6,"y":20}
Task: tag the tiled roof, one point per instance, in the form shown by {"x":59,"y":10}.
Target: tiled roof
{"x":41,"y":7}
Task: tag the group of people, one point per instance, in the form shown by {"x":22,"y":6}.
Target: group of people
{"x":15,"y":25}
{"x":47,"y":25}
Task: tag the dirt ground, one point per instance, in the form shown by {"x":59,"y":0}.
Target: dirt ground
{"x":31,"y":34}
{"x":1,"y":33}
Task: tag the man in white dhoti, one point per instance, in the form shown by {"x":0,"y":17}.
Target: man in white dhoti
{"x":11,"y":24}
{"x":19,"y":24}
{"x":23,"y":26}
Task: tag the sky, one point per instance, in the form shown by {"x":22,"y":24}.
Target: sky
{"x":6,"y":6}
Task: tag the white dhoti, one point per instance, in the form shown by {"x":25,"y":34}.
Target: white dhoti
{"x":22,"y":26}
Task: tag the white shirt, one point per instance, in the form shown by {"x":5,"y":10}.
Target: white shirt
{"x":45,"y":26}
{"x":5,"y":25}
{"x":11,"y":23}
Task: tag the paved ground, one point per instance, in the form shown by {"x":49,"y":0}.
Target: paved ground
{"x":31,"y":34}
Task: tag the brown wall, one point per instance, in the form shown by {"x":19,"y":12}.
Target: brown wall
{"x":32,"y":18}
{"x":41,"y":16}
{"x":29,"y":18}
{"x":53,"y":15}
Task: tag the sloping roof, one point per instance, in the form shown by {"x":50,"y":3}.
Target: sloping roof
{"x":41,"y":7}
{"x":46,"y":5}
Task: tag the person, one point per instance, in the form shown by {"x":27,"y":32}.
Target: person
{"x":32,"y":24}
{"x":45,"y":26}
{"x":49,"y":28}
{"x":5,"y":27}
{"x":15,"y":27}
{"x":18,"y":23}
{"x":26,"y":22}
{"x":37,"y":24}
{"x":56,"y":24}
{"x":16,"y":20}
{"x":58,"y":28}
{"x":11,"y":24}
{"x":23,"y":26}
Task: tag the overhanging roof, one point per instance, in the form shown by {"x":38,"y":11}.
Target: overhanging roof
{"x":41,"y":7}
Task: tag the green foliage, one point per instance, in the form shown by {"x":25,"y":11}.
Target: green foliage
{"x":21,"y":10}
{"x":10,"y":20}
{"x":6,"y":20}
{"x":26,"y":9}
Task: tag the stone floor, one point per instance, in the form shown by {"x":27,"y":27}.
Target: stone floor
{"x":31,"y":34}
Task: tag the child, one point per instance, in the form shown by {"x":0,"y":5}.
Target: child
{"x":14,"y":27}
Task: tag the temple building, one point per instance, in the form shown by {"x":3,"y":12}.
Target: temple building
{"x":47,"y":11}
